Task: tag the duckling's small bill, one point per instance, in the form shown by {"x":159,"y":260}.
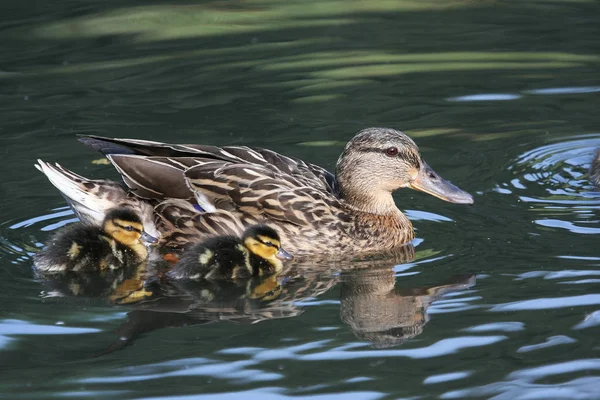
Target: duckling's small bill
{"x":148,"y":239}
{"x":283,"y":255}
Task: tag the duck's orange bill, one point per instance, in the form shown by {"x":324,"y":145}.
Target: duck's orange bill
{"x":430,"y":182}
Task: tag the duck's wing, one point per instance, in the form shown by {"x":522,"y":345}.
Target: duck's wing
{"x":257,"y":193}
{"x":163,"y":160}
{"x":182,"y":225}
{"x":91,"y":199}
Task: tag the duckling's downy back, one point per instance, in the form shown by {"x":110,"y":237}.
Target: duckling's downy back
{"x":219,"y":258}
{"x":79,"y":248}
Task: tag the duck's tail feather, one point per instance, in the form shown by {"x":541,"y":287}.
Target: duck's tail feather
{"x":89,"y":199}
{"x":109,"y":146}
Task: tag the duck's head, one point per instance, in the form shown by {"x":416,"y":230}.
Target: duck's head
{"x":264,"y":242}
{"x":378,"y":161}
{"x":125,"y":226}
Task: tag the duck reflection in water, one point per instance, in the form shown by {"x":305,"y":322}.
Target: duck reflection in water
{"x":370,"y":303}
{"x":379,"y":312}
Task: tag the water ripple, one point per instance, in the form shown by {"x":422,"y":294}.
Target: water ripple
{"x":438,"y":349}
{"x":549,"y":303}
{"x":452,"y":376}
{"x":550,"y":342}
{"x":269,"y":393}
{"x":236,"y":371}
{"x":497,"y":326}
{"x":12,"y":327}
{"x":553,"y":181}
{"x":577,"y":389}
{"x":556,"y":166}
{"x":591,"y":320}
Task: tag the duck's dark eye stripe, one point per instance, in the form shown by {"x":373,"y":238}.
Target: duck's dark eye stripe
{"x":409,"y":157}
{"x":270,"y":244}
{"x":371,"y":150}
{"x":128,"y":228}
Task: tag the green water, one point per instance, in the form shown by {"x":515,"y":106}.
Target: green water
{"x":502,"y":299}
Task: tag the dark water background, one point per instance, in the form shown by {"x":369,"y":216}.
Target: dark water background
{"x":503,"y":99}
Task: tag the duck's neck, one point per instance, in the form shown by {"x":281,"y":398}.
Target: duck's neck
{"x":383,"y":225}
{"x":376,"y":202}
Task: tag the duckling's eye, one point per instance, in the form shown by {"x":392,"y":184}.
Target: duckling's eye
{"x":129,"y":228}
{"x":391,"y":151}
{"x":270,"y":244}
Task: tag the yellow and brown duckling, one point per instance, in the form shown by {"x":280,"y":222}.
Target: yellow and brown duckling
{"x":257,"y":253}
{"x":83,"y":248}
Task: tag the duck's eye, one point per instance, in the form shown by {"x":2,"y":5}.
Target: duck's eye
{"x":270,"y":244}
{"x":129,"y":228}
{"x":391,"y":151}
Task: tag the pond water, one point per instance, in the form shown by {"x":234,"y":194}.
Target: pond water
{"x":500,"y":299}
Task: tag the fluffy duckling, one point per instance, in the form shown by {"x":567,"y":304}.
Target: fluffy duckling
{"x":82,"y":248}
{"x":257,"y":253}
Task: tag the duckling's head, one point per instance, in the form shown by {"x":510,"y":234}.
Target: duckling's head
{"x":378,"y":161}
{"x":264,"y":242}
{"x":125,"y":226}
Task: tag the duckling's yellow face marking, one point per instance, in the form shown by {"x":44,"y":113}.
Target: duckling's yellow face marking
{"x":125,"y":232}
{"x":267,"y":290}
{"x":74,"y":250}
{"x":262,"y":246}
{"x":266,"y":240}
{"x":266,"y":248}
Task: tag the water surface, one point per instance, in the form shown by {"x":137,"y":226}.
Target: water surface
{"x":500,"y":299}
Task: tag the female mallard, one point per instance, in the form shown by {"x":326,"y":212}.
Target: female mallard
{"x":84,"y":248}
{"x":595,"y":170}
{"x":199,"y":191}
{"x":257,"y":253}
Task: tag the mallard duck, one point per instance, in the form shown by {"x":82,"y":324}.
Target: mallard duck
{"x":84,"y":248}
{"x":199,"y":191}
{"x":595,"y":170}
{"x":257,"y":253}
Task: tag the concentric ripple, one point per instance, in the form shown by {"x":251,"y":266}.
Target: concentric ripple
{"x":554,"y":182}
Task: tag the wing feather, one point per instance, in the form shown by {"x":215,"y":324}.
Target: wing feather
{"x":310,"y":174}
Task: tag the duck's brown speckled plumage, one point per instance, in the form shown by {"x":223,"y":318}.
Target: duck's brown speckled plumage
{"x":314,"y":211}
{"x":595,"y":170}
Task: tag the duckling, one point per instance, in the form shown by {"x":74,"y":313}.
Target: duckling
{"x":257,"y":253}
{"x":83,"y":248}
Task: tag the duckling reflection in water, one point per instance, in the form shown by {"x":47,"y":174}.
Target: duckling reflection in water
{"x":82,"y":248}
{"x":257,"y":253}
